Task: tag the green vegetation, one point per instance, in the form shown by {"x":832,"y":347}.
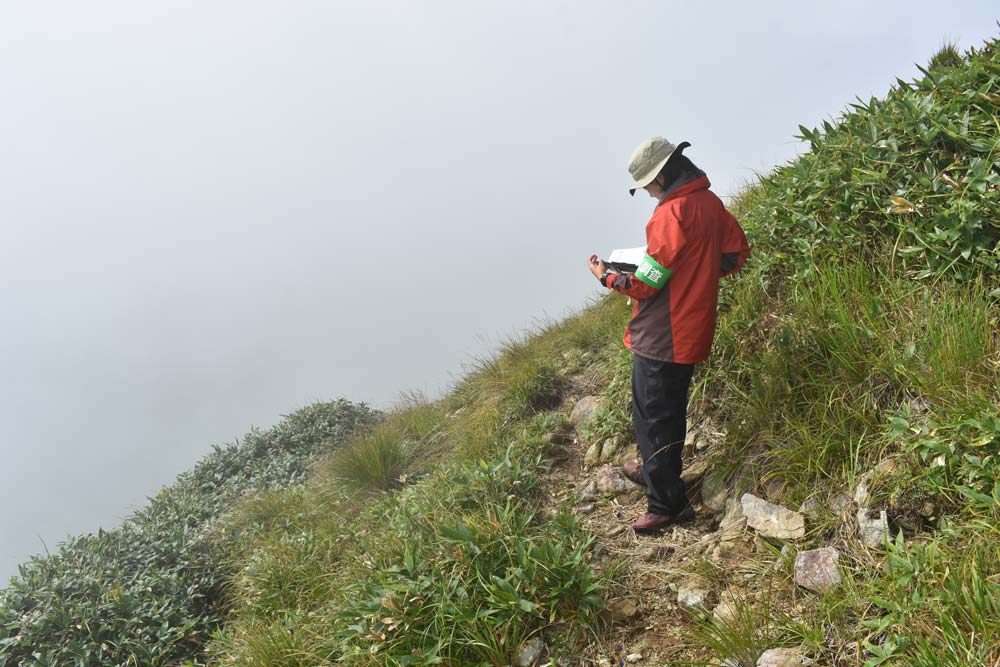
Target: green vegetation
{"x":444,"y":557}
{"x":148,"y":592}
{"x":861,"y":339}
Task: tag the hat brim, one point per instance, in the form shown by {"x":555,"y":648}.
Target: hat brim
{"x":654,"y":172}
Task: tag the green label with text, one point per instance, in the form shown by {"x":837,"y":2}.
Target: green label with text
{"x":651,"y":273}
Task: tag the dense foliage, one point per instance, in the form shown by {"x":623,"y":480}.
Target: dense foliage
{"x":148,"y":592}
{"x":918,"y":171}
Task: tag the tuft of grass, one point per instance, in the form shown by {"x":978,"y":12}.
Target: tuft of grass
{"x":946,"y":56}
{"x":375,"y":461}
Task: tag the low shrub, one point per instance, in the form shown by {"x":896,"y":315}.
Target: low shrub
{"x":150,"y":591}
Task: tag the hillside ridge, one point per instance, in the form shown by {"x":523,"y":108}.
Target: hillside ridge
{"x":844,"y":458}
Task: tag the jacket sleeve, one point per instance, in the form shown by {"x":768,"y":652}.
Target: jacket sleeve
{"x":735,"y":248}
{"x":664,"y":243}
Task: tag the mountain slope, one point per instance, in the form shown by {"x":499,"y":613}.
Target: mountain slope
{"x":855,"y":382}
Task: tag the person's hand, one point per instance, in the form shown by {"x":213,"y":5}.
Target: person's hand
{"x":597,"y":266}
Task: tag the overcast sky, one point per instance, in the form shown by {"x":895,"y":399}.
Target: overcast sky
{"x":213,"y":213}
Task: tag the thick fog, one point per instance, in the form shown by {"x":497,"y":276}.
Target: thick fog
{"x":213,"y":213}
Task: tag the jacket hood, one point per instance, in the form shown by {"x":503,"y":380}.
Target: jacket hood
{"x":686,"y":183}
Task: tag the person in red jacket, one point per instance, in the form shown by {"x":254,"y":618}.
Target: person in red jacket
{"x":692,"y":242}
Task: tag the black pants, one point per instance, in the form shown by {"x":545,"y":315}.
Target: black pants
{"x":659,"y":414}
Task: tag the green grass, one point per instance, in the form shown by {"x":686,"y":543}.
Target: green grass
{"x":864,"y":327}
{"x":421,"y":542}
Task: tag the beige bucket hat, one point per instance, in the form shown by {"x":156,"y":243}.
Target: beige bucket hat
{"x":649,"y":158}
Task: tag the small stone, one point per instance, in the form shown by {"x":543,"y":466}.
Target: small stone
{"x":734,"y":522}
{"x":610,"y":481}
{"x":693,"y":595}
{"x":584,"y":410}
{"x":622,"y":610}
{"x":608,"y":450}
{"x":772,"y":520}
{"x":816,"y":569}
{"x":694,"y":472}
{"x":872,"y":531}
{"x":633,"y":658}
{"x":862,"y":492}
{"x":781,"y":657}
{"x":530,"y":653}
{"x":593,"y":456}
{"x":727,"y":610}
{"x":588,"y":492}
{"x":714,"y":491}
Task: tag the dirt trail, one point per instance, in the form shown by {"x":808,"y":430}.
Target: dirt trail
{"x":645,"y":621}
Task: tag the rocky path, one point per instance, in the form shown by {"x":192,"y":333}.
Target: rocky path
{"x":702,"y":569}
{"x":665,"y":575}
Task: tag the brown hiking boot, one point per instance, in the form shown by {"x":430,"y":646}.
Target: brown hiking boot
{"x":650,"y":522}
{"x":633,"y":472}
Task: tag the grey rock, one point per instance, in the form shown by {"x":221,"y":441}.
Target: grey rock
{"x":728,"y":609}
{"x":584,"y":410}
{"x":694,"y":472}
{"x":781,"y":657}
{"x":589,"y":492}
{"x":693,"y":595}
{"x":772,"y":520}
{"x":609,"y":450}
{"x":622,"y":609}
{"x":611,"y":482}
{"x":872,"y":529}
{"x":633,"y":658}
{"x":714,"y":491}
{"x":734,"y":522}
{"x":862,"y":492}
{"x":593,"y":456}
{"x":530,"y":653}
{"x":816,"y":569}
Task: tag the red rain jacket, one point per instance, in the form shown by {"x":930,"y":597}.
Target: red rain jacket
{"x":695,"y":241}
